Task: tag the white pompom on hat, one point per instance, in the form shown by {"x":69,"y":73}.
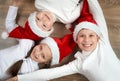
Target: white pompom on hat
{"x":68,"y":26}
{"x":4,"y":35}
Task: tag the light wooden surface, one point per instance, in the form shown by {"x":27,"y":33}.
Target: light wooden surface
{"x":111,"y":9}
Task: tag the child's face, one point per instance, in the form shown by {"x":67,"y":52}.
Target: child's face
{"x":44,"y":20}
{"x":41,"y":53}
{"x":87,"y":40}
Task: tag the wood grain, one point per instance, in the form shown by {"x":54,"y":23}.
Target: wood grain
{"x":111,"y":10}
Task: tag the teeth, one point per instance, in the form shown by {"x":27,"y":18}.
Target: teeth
{"x":87,"y":45}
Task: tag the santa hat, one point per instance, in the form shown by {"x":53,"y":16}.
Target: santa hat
{"x":60,"y":48}
{"x":86,"y":21}
{"x":30,"y":31}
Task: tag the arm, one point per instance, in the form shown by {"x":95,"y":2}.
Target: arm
{"x":99,"y":17}
{"x":11,"y":16}
{"x":53,"y":73}
{"x":48,"y":74}
{"x":10,"y":22}
{"x":13,"y":29}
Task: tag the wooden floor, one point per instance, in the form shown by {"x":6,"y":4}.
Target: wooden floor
{"x":111,"y":9}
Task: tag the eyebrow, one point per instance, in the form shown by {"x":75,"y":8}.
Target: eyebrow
{"x":37,"y":18}
{"x":40,"y":47}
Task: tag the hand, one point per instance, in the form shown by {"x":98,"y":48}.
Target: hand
{"x":15,"y":2}
{"x":12,"y":79}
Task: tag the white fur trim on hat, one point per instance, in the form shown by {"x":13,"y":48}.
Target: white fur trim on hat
{"x":87,"y":25}
{"x":35,"y":28}
{"x":54,"y":49}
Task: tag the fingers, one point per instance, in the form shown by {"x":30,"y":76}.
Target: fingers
{"x":12,"y":79}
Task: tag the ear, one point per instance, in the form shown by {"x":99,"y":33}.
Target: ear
{"x":98,"y":38}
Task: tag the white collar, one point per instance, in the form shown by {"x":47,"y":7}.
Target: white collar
{"x":28,"y":65}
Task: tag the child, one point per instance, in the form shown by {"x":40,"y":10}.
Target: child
{"x":38,"y":27}
{"x":97,"y":60}
{"x":66,"y":11}
{"x":19,"y":54}
{"x":49,"y":51}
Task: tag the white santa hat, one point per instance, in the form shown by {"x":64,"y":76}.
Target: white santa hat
{"x":60,"y":48}
{"x":86,"y":21}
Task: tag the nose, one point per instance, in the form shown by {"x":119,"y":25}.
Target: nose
{"x":44,"y":18}
{"x":38,"y":55}
{"x":86,"y":39}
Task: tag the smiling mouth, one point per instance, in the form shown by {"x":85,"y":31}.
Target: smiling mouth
{"x":87,"y":45}
{"x":35,"y":57}
{"x":47,"y":16}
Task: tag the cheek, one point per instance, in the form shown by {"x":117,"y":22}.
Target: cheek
{"x":95,"y":39}
{"x":95,"y":42}
{"x":50,"y":24}
{"x":35,"y":50}
{"x":79,"y":42}
{"x":39,"y":60}
{"x":32,"y":55}
{"x":38,"y":24}
{"x":39,"y":14}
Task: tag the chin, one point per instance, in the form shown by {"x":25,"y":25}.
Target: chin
{"x":87,"y":50}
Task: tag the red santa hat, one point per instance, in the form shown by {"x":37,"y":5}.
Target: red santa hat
{"x":86,"y":21}
{"x":30,"y":31}
{"x":60,"y":48}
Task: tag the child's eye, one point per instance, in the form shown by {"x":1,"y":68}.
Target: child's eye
{"x":81,"y":35}
{"x":40,"y":47}
{"x":42,"y":55}
{"x":91,"y":35}
{"x":44,"y":25}
{"x":37,"y":18}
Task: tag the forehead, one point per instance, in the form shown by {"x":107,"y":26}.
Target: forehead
{"x":44,"y":45}
{"x":46,"y":49}
{"x":86,"y":31}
